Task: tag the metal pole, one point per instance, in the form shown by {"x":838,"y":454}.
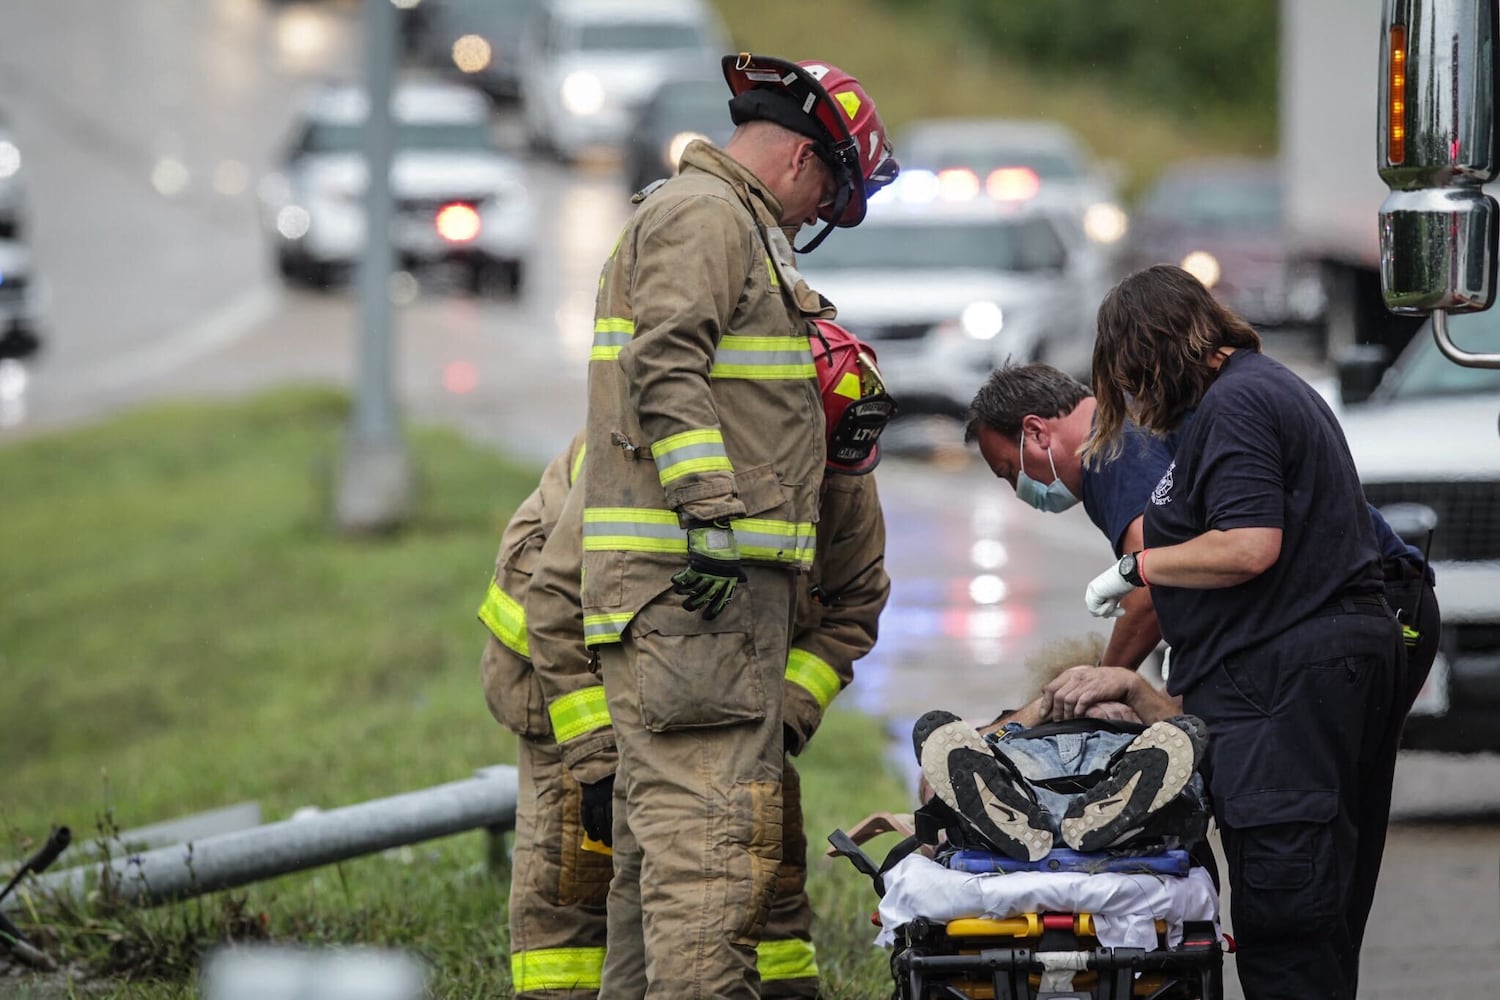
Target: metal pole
{"x":235,"y":859}
{"x":374,"y":491}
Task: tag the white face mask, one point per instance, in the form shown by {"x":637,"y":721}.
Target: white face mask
{"x":1054,"y":498}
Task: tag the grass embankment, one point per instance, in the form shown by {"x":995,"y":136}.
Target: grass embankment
{"x":918,"y":66}
{"x":180,"y":630}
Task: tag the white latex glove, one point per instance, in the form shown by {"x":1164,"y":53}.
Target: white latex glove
{"x":1105,"y":591}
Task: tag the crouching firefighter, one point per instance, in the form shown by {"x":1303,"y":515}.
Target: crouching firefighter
{"x":836,"y":616}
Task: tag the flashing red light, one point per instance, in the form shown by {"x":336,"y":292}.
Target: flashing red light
{"x":457,"y":222}
{"x":1012,"y":184}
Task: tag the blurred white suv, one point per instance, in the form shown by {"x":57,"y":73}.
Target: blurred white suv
{"x":588,"y":65}
{"x":945,"y":292}
{"x":456,"y":197}
{"x":1428,"y":435}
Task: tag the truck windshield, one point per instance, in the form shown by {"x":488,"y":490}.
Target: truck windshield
{"x":1425,"y":371}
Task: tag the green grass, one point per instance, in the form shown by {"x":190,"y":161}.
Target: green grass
{"x":180,"y":630}
{"x":917,"y":67}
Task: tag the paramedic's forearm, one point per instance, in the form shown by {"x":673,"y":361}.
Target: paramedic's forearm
{"x":1214,"y":559}
{"x":1135,"y":635}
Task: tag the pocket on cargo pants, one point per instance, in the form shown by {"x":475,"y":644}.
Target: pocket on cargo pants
{"x":697,"y":674}
{"x":585,"y":875}
{"x":1285,"y":873}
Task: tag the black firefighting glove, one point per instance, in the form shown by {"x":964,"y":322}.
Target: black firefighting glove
{"x":713,"y":570}
{"x":597,"y":810}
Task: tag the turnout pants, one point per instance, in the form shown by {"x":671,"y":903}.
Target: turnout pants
{"x":557,"y":890}
{"x":696,"y":707}
{"x":1301,"y":727}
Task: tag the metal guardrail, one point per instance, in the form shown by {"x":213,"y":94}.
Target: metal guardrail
{"x":228,"y":860}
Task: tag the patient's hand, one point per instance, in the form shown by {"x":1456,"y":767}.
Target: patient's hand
{"x":1115,"y":711}
{"x":1078,"y":689}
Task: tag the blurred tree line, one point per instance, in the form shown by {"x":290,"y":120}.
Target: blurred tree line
{"x":1194,"y":57}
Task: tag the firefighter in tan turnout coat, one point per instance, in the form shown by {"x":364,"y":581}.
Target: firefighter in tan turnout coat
{"x":701,"y":481}
{"x":839,"y":606}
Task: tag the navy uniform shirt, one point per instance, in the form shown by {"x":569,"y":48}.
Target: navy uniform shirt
{"x":1262,"y":451}
{"x":1115,"y":492}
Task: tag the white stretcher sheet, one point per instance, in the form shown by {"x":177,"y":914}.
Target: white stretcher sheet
{"x":1125,"y":907}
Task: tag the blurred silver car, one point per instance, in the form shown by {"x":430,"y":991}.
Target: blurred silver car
{"x":676,"y":114}
{"x":20,"y":310}
{"x":1016,"y":159}
{"x":945,"y":292}
{"x":12,"y":191}
{"x":456,"y":196}
{"x":588,"y":65}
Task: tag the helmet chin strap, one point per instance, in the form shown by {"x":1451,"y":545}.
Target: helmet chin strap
{"x":840,"y":202}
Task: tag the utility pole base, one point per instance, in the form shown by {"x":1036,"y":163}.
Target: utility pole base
{"x":375,"y":488}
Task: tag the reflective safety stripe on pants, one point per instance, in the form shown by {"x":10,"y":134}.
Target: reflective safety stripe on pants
{"x":557,"y":892}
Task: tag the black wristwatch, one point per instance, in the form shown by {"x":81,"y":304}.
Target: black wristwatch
{"x":1130,"y":570}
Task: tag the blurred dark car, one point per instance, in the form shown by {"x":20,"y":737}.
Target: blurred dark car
{"x":1222,"y":220}
{"x":477,"y":38}
{"x":678,"y":112}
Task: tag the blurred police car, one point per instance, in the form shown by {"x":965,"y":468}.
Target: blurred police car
{"x":680,"y":111}
{"x":588,"y":65}
{"x":1048,"y":155}
{"x":456,"y":197}
{"x":947,"y":284}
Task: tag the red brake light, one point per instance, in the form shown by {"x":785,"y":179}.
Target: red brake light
{"x":1012,"y":184}
{"x":457,"y":222}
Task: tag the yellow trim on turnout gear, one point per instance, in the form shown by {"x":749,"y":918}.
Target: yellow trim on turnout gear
{"x":557,"y":969}
{"x":506,"y":619}
{"x":789,"y":958}
{"x":578,"y":713}
{"x":577,"y":467}
{"x":813,"y":675}
{"x":603,"y":629}
{"x":687,"y":452}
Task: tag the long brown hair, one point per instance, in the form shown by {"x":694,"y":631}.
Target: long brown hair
{"x":1158,"y":329}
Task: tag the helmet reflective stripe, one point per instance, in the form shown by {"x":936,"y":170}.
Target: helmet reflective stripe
{"x":578,"y":713}
{"x":506,"y":619}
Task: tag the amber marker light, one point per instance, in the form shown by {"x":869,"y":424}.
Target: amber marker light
{"x":1396,"y":99}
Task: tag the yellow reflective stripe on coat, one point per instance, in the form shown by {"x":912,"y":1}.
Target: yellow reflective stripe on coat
{"x":813,"y":675}
{"x":578,"y":713}
{"x":763,"y":359}
{"x":610,"y":334}
{"x":699,"y":450}
{"x":787,"y":959}
{"x":577,"y":465}
{"x":768,"y":540}
{"x":602,"y":629}
{"x":506,"y":619}
{"x":632,"y":529}
{"x":556,"y":969}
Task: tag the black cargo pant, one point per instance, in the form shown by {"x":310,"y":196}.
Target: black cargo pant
{"x":1299,"y":724}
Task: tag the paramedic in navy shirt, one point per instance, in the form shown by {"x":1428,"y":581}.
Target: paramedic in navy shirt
{"x":1267,"y":583}
{"x":1031,"y":420}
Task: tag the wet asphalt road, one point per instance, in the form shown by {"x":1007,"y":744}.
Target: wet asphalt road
{"x":144,"y":125}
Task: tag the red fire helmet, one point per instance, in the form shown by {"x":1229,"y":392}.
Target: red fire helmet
{"x":856,"y":406}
